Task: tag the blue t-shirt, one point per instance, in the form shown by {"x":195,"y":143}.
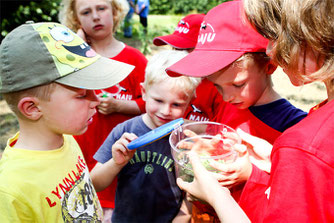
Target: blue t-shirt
{"x":144,"y":12}
{"x":146,"y":187}
{"x":288,"y":116}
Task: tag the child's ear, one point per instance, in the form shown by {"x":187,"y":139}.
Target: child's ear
{"x":143,"y":91}
{"x":271,"y":67}
{"x":28,"y":106}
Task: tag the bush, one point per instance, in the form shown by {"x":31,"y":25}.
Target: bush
{"x":182,"y":6}
{"x":18,"y":12}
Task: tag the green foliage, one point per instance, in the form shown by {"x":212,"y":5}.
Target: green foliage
{"x":37,"y":11}
{"x":182,"y":6}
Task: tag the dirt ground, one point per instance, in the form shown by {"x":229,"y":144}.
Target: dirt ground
{"x":303,"y":97}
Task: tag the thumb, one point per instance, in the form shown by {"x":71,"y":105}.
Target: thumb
{"x":241,"y":149}
{"x":247,"y":137}
{"x":182,"y":184}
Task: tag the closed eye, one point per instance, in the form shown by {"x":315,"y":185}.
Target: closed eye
{"x":239,"y":85}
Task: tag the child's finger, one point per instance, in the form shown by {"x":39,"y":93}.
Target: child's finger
{"x":183,"y":184}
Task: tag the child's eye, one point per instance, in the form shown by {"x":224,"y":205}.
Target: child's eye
{"x":177,"y":105}
{"x":239,"y":85}
{"x":158,"y":100}
{"x":85,"y":12}
{"x":81,"y":96}
{"x":101,"y":8}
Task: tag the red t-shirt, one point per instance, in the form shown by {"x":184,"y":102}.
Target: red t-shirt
{"x":300,"y":187}
{"x":236,"y":118}
{"x":245,"y":120}
{"x":205,"y":106}
{"x":128,"y":89}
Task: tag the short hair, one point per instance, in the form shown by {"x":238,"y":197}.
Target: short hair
{"x":296,"y":26}
{"x":307,"y":24}
{"x":68,"y":16}
{"x":264,"y":16}
{"x":42,"y":92}
{"x":155,"y":72}
{"x":260,"y":59}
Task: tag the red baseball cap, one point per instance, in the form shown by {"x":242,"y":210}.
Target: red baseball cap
{"x":185,"y":34}
{"x":224,"y":37}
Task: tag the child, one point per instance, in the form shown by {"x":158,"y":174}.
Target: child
{"x":146,"y":189}
{"x":236,"y":63}
{"x":300,"y":187}
{"x":47,"y":75}
{"x":205,"y":106}
{"x":99,"y":21}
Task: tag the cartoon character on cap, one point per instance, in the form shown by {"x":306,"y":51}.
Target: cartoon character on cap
{"x":185,"y":34}
{"x":68,"y":50}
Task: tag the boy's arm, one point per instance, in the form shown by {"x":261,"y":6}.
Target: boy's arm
{"x":207,"y":188}
{"x":103,"y":174}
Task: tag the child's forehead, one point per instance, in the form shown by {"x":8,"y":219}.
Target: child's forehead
{"x":169,"y":86}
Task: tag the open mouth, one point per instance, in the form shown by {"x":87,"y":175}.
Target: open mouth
{"x":83,"y":50}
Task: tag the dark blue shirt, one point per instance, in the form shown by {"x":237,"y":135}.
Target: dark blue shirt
{"x":288,"y":116}
{"x":146,"y":187}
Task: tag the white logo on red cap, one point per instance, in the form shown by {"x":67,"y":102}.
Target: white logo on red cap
{"x":207,"y":33}
{"x":182,"y":27}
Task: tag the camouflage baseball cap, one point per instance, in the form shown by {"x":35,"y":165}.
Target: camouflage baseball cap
{"x":35,"y":54}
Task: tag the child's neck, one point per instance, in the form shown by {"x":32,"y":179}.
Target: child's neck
{"x":108,"y":47}
{"x":148,"y":121}
{"x":34,"y":137}
{"x":269,"y":95}
{"x":330,"y":89}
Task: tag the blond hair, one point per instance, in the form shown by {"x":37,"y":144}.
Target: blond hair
{"x":42,"y":92}
{"x":307,"y":24}
{"x":295,"y":26}
{"x":260,"y":59}
{"x":264,"y":16}
{"x":68,"y":15}
{"x":155,"y":72}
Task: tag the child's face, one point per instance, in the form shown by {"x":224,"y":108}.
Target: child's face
{"x":242,"y":84}
{"x":69,"y":110}
{"x":164,"y":104}
{"x":309,"y":61}
{"x":95,"y":17}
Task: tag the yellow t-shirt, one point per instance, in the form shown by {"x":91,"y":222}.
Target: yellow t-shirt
{"x":47,"y":186}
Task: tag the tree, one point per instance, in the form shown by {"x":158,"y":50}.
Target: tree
{"x":15,"y":13}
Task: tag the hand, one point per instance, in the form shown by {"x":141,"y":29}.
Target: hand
{"x":121,"y":154}
{"x":108,"y":104}
{"x":205,"y":183}
{"x":81,"y":33}
{"x":259,"y":150}
{"x":236,"y":172}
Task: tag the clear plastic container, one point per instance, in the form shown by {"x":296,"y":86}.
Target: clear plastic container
{"x":211,"y":141}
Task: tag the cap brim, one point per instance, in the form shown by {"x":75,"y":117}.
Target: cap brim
{"x":202,"y":63}
{"x":101,"y":74}
{"x":175,"y":41}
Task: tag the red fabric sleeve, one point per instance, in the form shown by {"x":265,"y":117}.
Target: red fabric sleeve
{"x":298,"y":192}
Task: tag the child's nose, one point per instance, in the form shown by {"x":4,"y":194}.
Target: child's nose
{"x":166,"y":109}
{"x":95,"y":15}
{"x":228,"y":97}
{"x":93,"y":98}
